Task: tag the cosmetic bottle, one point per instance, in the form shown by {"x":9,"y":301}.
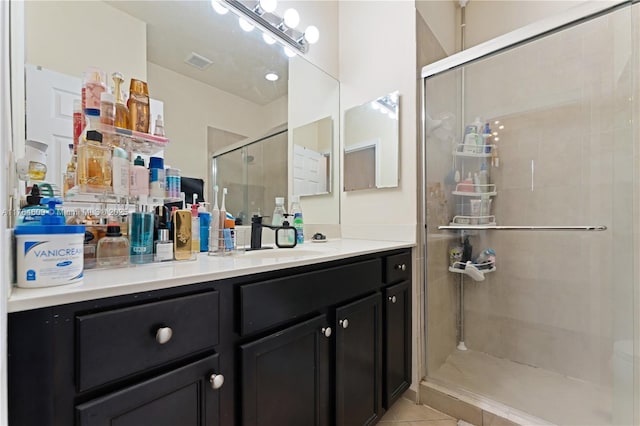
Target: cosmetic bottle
{"x":122,"y":112}
{"x":158,"y":129}
{"x":278,"y":212}
{"x":94,"y":164}
{"x":107,"y":108}
{"x":120,"y":171}
{"x":78,"y":124}
{"x":181,"y":228}
{"x":298,"y":223}
{"x":139,"y":184}
{"x":163,"y":247}
{"x":141,"y":235}
{"x":113,"y":249}
{"x":156,"y":177}
{"x":69,"y":180}
{"x":195,"y":228}
{"x":138,"y":104}
{"x":94,"y":84}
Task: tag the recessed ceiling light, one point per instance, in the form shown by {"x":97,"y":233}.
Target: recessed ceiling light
{"x":271,"y":76}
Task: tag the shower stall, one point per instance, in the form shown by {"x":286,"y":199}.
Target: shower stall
{"x":530,"y":149}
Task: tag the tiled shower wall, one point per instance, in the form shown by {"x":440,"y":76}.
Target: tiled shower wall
{"x":559,"y":300}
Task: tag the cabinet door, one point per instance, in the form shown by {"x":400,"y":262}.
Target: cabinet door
{"x":185,"y":397}
{"x":396,"y":371}
{"x":358,"y":362}
{"x":285,"y":376}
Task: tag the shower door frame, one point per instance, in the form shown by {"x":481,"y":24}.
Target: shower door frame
{"x":524,"y":35}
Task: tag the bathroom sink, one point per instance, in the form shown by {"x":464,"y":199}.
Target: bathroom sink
{"x":283,"y":253}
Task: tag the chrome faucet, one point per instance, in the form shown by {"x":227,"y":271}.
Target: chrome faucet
{"x":256,"y":233}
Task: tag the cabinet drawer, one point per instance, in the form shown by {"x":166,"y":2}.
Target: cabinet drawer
{"x":117,"y":343}
{"x":271,"y":302}
{"x":398,"y":267}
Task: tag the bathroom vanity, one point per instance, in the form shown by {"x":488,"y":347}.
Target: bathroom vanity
{"x":319,"y":338}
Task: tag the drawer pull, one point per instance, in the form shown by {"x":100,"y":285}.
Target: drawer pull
{"x":401,"y":266}
{"x":344,"y":323}
{"x":326,"y":331}
{"x":216,"y":380}
{"x":163,"y":335}
{"x":392,"y":299}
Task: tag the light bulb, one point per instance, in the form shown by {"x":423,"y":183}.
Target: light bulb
{"x":287,"y":51}
{"x":271,"y":76}
{"x":268,"y":5}
{"x":291,"y":18}
{"x":245,"y":25}
{"x":215,"y":4}
{"x":268,"y":39}
{"x":311,"y":34}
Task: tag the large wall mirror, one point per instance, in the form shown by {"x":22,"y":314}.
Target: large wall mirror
{"x":371,"y":144}
{"x":217,"y":86}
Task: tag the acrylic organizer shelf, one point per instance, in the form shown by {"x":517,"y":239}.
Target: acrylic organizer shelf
{"x":138,"y":142}
{"x":474,"y":270}
{"x":473,"y":151}
{"x":75,"y":196}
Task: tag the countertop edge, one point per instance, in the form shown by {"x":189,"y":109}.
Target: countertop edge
{"x":140,"y":279}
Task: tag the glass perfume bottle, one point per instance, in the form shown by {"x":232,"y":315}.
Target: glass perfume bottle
{"x":163,"y":248}
{"x":122,"y":112}
{"x":138,"y":104}
{"x":69,"y":180}
{"x":113,"y":248}
{"x":141,"y":236}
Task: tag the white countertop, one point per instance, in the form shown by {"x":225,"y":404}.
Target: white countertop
{"x":114,"y":282}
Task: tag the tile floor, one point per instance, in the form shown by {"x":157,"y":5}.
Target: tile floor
{"x":407,"y":413}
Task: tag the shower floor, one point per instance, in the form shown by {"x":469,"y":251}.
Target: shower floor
{"x":544,"y":394}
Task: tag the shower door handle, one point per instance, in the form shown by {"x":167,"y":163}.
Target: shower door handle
{"x":521,"y":228}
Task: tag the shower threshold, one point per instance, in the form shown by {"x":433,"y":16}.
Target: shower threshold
{"x":520,"y":393}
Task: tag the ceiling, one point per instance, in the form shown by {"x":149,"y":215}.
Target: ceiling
{"x":175,"y":29}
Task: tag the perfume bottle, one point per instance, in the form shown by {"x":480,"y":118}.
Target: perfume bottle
{"x":94,"y":164}
{"x":141,"y":236}
{"x":70,"y":174}
{"x":163,"y":247}
{"x":113,"y":248}
{"x":138,"y":104}
{"x":122,"y":112}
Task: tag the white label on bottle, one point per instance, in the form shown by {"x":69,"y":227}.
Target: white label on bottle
{"x":164,"y":251}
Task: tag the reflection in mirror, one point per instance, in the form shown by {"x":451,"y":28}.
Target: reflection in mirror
{"x":209,"y":75}
{"x":371,"y":143}
{"x":312,"y":144}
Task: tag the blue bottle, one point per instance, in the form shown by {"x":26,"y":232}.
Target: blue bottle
{"x":205,"y":222}
{"x":141,"y":237}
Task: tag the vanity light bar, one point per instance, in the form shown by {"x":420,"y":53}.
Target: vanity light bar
{"x":271,"y":23}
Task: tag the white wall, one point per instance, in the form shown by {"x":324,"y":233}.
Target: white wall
{"x":378,"y":56}
{"x":191,"y":107}
{"x":440,"y":16}
{"x":69,"y":36}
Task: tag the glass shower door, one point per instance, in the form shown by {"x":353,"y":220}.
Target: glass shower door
{"x":539,"y":136}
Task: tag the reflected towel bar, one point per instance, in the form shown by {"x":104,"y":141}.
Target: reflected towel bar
{"x":521,"y":228}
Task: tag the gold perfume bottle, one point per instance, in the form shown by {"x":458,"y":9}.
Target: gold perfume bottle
{"x":138,"y":104}
{"x":122,"y":112}
{"x":94,"y":164}
{"x":182,"y":234}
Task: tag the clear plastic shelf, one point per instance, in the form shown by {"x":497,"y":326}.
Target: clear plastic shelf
{"x":141,"y":143}
{"x":76,"y":196}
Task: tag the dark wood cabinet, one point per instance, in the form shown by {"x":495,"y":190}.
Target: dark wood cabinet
{"x":285,"y":376}
{"x":184,"y":396}
{"x":321,"y":344}
{"x":358,"y":362}
{"x":397,"y":341}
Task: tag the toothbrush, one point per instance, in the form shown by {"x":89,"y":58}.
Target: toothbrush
{"x":223,"y":216}
{"x":214,"y":231}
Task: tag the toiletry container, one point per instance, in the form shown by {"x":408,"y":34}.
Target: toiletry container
{"x":205,"y":223}
{"x":78,"y":124}
{"x":138,"y":104}
{"x":93,"y":85}
{"x":94,"y":164}
{"x":141,"y":235}
{"x":173,"y":182}
{"x":156,"y":177}
{"x":113,"y":249}
{"x":107,"y":108}
{"x":139,"y":184}
{"x":50,"y":253}
{"x":120,"y":171}
{"x":158,"y":129}
{"x":33,"y":211}
{"x":122,"y":112}
{"x":298,"y":223}
{"x":181,"y":228}
{"x":163,"y":248}
{"x":195,"y":229}
{"x":278,"y":213}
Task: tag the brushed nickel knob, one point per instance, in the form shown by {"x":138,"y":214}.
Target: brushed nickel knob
{"x":216,"y":380}
{"x":403,"y":267}
{"x":326,"y":331}
{"x":392,"y":299}
{"x":163,"y":335}
{"x":344,"y":323}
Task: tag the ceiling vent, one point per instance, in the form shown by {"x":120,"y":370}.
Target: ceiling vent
{"x":198,"y":61}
